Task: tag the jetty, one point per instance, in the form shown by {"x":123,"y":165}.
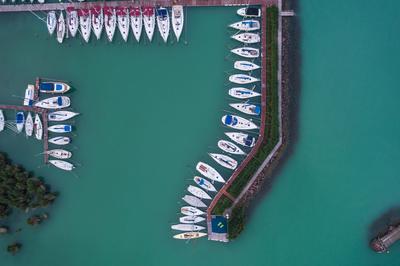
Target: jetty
{"x":382,"y":243}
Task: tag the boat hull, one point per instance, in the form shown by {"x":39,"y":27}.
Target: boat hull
{"x":194,"y":201}
{"x":38,"y":128}
{"x":205,"y":184}
{"x":230,"y":147}
{"x":163,"y":23}
{"x":224,"y":160}
{"x":177,"y":20}
{"x":250,"y":109}
{"x":198,"y":192}
{"x":63,"y":165}
{"x":191,"y":219}
{"x":248,"y":38}
{"x":60,"y":140}
{"x":189,"y":235}
{"x":242,"y":138}
{"x":209,"y":172}
{"x":60,"y":129}
{"x":247,"y":52}
{"x":242,"y":79}
{"x":187,"y":227}
{"x":29,"y":125}
{"x":237,"y":122}
{"x":243,"y":93}
{"x":189,"y":210}
{"x":245,"y":66}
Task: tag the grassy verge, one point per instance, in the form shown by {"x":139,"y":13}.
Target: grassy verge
{"x":223,"y":204}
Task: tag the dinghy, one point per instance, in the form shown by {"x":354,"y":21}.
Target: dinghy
{"x":163,"y":22}
{"x":60,"y":153}
{"x":51,"y":22}
{"x":191,"y":219}
{"x":20,"y":121}
{"x":246,"y":37}
{"x":62,"y":165}
{"x":242,"y":138}
{"x":246,"y":25}
{"x":110,"y":22}
{"x":238,"y":122}
{"x":189,"y":210}
{"x":84,"y":22}
{"x":123,"y":22}
{"x":61,"y":115}
{"x":2,"y":120}
{"x":136,"y":22}
{"x":250,"y":109}
{"x":209,"y":172}
{"x":57,"y":102}
{"x":72,"y":21}
{"x":54,"y":87}
{"x":149,"y":21}
{"x":60,"y":28}
{"x":198,"y":192}
{"x":29,"y":95}
{"x":97,"y":21}
{"x":38,"y":127}
{"x":29,"y":125}
{"x":248,"y":52}
{"x":177,"y":20}
{"x":243,"y":93}
{"x":187,"y":227}
{"x":230,"y":147}
{"x":204,"y":184}
{"x":193,"y":201}
{"x":60,"y":128}
{"x":242,"y":79}
{"x":249,"y":12}
{"x":224,"y":160}
{"x":245,"y":66}
{"x":60,"y":140}
{"x":189,"y":235}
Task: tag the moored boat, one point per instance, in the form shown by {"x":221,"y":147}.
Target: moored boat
{"x":249,"y":12}
{"x":38,"y":127}
{"x":60,"y":140}
{"x":248,"y":52}
{"x":191,"y":219}
{"x":97,"y":21}
{"x":189,"y":210}
{"x":51,"y":21}
{"x":61,"y":115}
{"x":245,"y":66}
{"x":59,"y":153}
{"x":242,"y":138}
{"x":246,"y":25}
{"x":250,"y":109}
{"x":123,"y":22}
{"x":198,"y":192}
{"x":187,"y":227}
{"x":247,"y":37}
{"x":238,"y":122}
{"x":57,"y":102}
{"x":85,"y":24}
{"x":29,"y":95}
{"x":110,"y":22}
{"x":163,"y":22}
{"x":149,"y":21}
{"x":135,"y":14}
{"x":194,"y":201}
{"x":177,"y":20}
{"x":202,"y":182}
{"x":60,"y":28}
{"x":67,"y":166}
{"x":54,"y":87}
{"x":72,"y":20}
{"x":189,"y":235}
{"x":230,"y":147}
{"x":224,"y":160}
{"x":60,"y":128}
{"x":29,"y":125}
{"x":242,"y":79}
{"x":209,"y":172}
{"x":2,"y":120}
{"x":20,"y":121}
{"x":243,"y":93}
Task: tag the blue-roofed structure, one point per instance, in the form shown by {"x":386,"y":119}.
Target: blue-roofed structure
{"x":219,"y":228}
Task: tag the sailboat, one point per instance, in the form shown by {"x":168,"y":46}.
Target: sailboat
{"x":97,"y":21}
{"x":136,"y":22}
{"x":72,"y":20}
{"x":62,"y":165}
{"x":189,"y":210}
{"x":238,"y":122}
{"x":224,"y":160}
{"x":248,"y":52}
{"x":191,"y":219}
{"x":84,"y":22}
{"x":123,"y":22}
{"x":60,"y":128}
{"x":29,"y":95}
{"x":149,"y":21}
{"x":209,"y":172}
{"x":250,"y":109}
{"x":38,"y":127}
{"x":194,"y":201}
{"x":163,"y":22}
{"x":61,"y":115}
{"x":29,"y":125}
{"x":60,"y":140}
{"x":243,"y":93}
{"x":198,"y":192}
{"x":187,"y":227}
{"x":242,"y":79}
{"x":230,"y":147}
{"x":189,"y":235}
{"x":20,"y":121}
{"x":242,"y":138}
{"x":57,"y":102}
{"x":59,"y":153}
{"x":177,"y":20}
{"x":2,"y":120}
{"x":60,"y":28}
{"x":110,"y":22}
{"x":51,"y":22}
{"x":245,"y":66}
{"x":247,"y":37}
{"x":204,"y":184}
{"x":246,"y":25}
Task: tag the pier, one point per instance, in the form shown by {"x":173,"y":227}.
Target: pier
{"x":382,"y":244}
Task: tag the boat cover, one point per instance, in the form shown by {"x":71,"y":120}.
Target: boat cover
{"x":47,"y":86}
{"x":248,"y":141}
{"x":257,"y":110}
{"x":162,"y":12}
{"x":59,"y":101}
{"x":19,"y":118}
{"x":67,"y":128}
{"x":252,"y":11}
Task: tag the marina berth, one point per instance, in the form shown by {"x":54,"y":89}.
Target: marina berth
{"x":2,"y":120}
{"x":60,"y":28}
{"x":224,"y":160}
{"x":198,"y":192}
{"x":191,"y":219}
{"x":29,"y":125}
{"x":38,"y":127}
{"x":246,"y":25}
{"x":189,"y":235}
{"x":177,"y":20}
{"x":51,"y":22}
{"x":242,"y":79}
{"x":72,"y":21}
{"x":163,"y":22}
{"x":67,"y":166}
{"x":189,"y":210}
{"x":194,"y":201}
{"x":205,"y":184}
{"x":187,"y":227}
{"x":243,"y":93}
{"x":110,"y":22}
{"x":250,"y":109}
{"x":238,"y":122}
{"x":57,"y":102}
{"x":53,"y":87}
{"x":19,"y":121}
{"x":85,"y":24}
{"x":230,"y":147}
{"x":59,"y":153}
{"x":29,"y":95}
{"x":61,"y":115}
{"x":242,"y":138}
{"x":248,"y":52}
{"x":97,"y":21}
{"x":245,"y":66}
{"x":135,"y":14}
{"x":247,"y":37}
{"x":209,"y":172}
{"x":123,"y":22}
{"x":149,"y":21}
{"x":249,"y":12}
{"x":60,"y":129}
{"x":60,"y":140}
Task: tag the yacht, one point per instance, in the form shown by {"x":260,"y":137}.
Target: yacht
{"x":194,"y":201}
{"x":60,"y":140}
{"x":198,"y":192}
{"x":187,"y":227}
{"x":242,"y":79}
{"x":242,"y":138}
{"x":204,"y":183}
{"x":123,"y":22}
{"x":246,"y":37}
{"x":97,"y":21}
{"x":245,"y":66}
{"x":60,"y":28}
{"x":177,"y":20}
{"x":20,"y":121}
{"x":248,"y":52}
{"x":51,"y":22}
{"x":224,"y":160}
{"x":246,"y":25}
{"x":62,"y":165}
{"x":29,"y":95}
{"x":60,"y":129}
{"x":191,"y":219}
{"x":57,"y":102}
{"x":250,"y":109}
{"x":149,"y":21}
{"x":61,"y":115}
{"x":238,"y":122}
{"x":29,"y":125}
{"x":59,"y":153}
{"x":54,"y":87}
{"x":230,"y":147}
{"x":38,"y":127}
{"x":209,"y":172}
{"x":243,"y":93}
{"x":110,"y":22}
{"x":163,"y":22}
{"x":72,"y":21}
{"x":135,"y":14}
{"x":189,"y":210}
{"x":85,"y":24}
{"x":189,"y":235}
{"x":2,"y":121}
{"x":249,"y":12}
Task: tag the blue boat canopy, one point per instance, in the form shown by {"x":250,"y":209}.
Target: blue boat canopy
{"x":59,"y":101}
{"x":19,"y":117}
{"x":162,"y":12}
{"x":228,"y":119}
{"x":257,"y":109}
{"x":67,"y":128}
{"x":249,"y":140}
{"x":59,"y":87}
{"x":47,"y":86}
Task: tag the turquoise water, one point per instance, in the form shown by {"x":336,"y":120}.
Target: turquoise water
{"x":150,"y":112}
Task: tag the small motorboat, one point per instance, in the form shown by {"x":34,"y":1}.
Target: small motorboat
{"x":20,"y":121}
{"x":230,"y":147}
{"x":60,"y":28}
{"x":246,"y":25}
{"x":247,"y":37}
{"x":209,"y":172}
{"x":97,"y":21}
{"x":245,"y":66}
{"x":135,"y":14}
{"x":249,"y":12}
{"x":198,"y":192}
{"x":204,"y":184}
{"x":248,"y":52}
{"x":38,"y":127}
{"x":72,"y":20}
{"x":189,"y":235}
{"x":29,"y":125}
{"x":57,"y":102}
{"x":51,"y":22}
{"x":60,"y":128}
{"x":189,"y":210}
{"x":163,"y":22}
{"x":224,"y":160}
{"x":250,"y":109}
{"x":187,"y":227}
{"x":61,"y":115}
{"x":191,"y":219}
{"x":242,"y":79}
{"x":29,"y":95}
{"x":194,"y":201}
{"x":243,"y":93}
{"x":62,"y":165}
{"x":149,"y":21}
{"x":110,"y":22}
{"x":60,"y":153}
{"x":60,"y":140}
{"x":123,"y":22}
{"x":85,"y":24}
{"x":238,"y":122}
{"x":177,"y":20}
{"x":2,"y":120}
{"x":54,"y":87}
{"x":242,"y":138}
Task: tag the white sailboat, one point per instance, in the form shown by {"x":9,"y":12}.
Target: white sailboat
{"x":20,"y":121}
{"x":110,"y":22}
{"x":60,"y":128}
{"x":60,"y":153}
{"x":97,"y":21}
{"x":245,"y":66}
{"x":248,"y":52}
{"x":149,"y":21}
{"x":2,"y":120}
{"x":250,"y":109}
{"x":135,"y":14}
{"x":61,"y":115}
{"x":209,"y":172}
{"x":246,"y":25}
{"x":198,"y":192}
{"x":163,"y":22}
{"x":238,"y":122}
{"x":60,"y":28}
{"x":177,"y":20}
{"x":123,"y":22}
{"x":242,"y":79}
{"x":60,"y":140}
{"x":57,"y":102}
{"x":189,"y":235}
{"x":29,"y":125}
{"x":247,"y":37}
{"x":230,"y":147}
{"x":187,"y":227}
{"x":191,"y":219}
{"x":243,"y":93}
{"x":189,"y":210}
{"x":249,"y":12}
{"x":67,"y":166}
{"x":72,"y":21}
{"x":224,"y":160}
{"x":242,"y":138}
{"x":193,"y":201}
{"x":85,"y":24}
{"x":51,"y":22}
{"x":38,"y":127}
{"x":202,"y":182}
{"x":29,"y":95}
